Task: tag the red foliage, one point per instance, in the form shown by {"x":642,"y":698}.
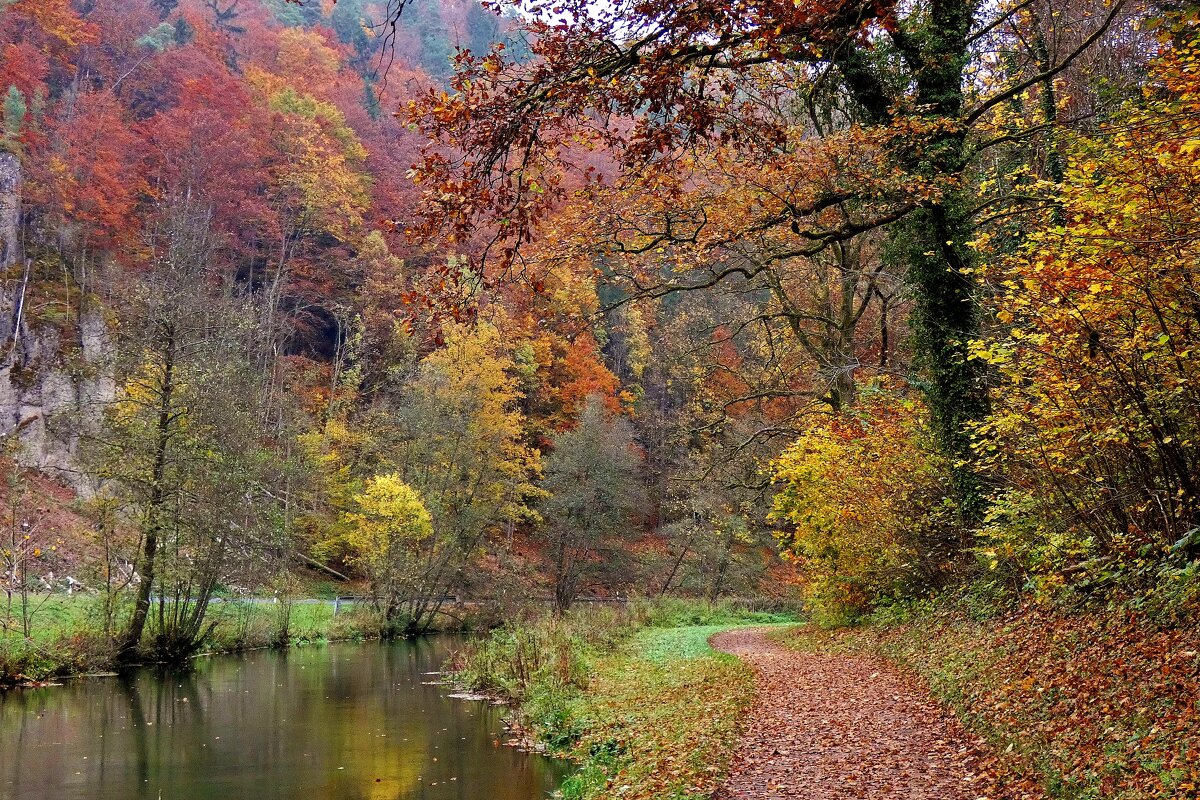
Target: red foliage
{"x":88,"y":172}
{"x":213,"y":145}
{"x":51,"y":25}
{"x":24,"y":66}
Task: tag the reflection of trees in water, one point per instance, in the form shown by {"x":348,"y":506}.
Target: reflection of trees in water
{"x":137,"y":732}
{"x":262,"y":726}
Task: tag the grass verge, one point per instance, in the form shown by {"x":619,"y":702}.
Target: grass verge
{"x":637,"y":698}
{"x":659,"y":719}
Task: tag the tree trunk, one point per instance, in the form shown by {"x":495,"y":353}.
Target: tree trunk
{"x":158,"y":498}
{"x":934,"y":239}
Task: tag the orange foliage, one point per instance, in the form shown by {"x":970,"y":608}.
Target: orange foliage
{"x":54,"y":22}
{"x":24,"y":66}
{"x":91,"y":173}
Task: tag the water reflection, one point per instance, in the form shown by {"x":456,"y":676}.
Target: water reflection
{"x":344,"y":722}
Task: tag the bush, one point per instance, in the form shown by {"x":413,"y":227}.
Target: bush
{"x":863,"y":499}
{"x":518,"y":661}
{"x":30,"y":659}
{"x":541,"y":667}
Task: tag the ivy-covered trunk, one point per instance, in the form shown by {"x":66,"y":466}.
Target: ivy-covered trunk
{"x":933,"y":241}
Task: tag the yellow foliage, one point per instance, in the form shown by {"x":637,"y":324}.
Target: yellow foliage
{"x":321,"y":177}
{"x":388,"y":530}
{"x":469,"y":383}
{"x":1097,"y":413}
{"x":389,"y":518}
{"x":855,"y":492}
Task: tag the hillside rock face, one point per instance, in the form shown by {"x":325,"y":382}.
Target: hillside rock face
{"x":55,"y":380}
{"x":10,"y":209}
{"x":51,"y":389}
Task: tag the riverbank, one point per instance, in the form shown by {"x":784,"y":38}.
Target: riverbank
{"x":659,"y":719}
{"x":68,"y":635}
{"x":639,"y":700}
{"x":1097,"y":704}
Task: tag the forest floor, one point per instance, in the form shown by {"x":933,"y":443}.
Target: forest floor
{"x":831,"y":725}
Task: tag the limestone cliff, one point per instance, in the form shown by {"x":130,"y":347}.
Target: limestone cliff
{"x":55,"y":379}
{"x":10,"y":209}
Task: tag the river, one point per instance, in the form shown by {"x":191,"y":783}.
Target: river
{"x":336,"y":722}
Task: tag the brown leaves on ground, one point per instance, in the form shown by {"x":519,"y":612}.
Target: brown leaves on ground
{"x":837,"y":726}
{"x":1098,"y":704}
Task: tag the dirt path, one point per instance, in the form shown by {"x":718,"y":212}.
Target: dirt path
{"x":827,"y":726}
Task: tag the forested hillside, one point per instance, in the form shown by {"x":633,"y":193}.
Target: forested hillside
{"x":223,"y":335}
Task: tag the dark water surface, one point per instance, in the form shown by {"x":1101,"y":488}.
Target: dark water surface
{"x":342,"y":722}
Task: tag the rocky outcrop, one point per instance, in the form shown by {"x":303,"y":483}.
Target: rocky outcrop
{"x":10,"y":209}
{"x":55,"y":380}
{"x":53,"y":389}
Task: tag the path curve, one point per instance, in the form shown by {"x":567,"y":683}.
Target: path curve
{"x":826,"y":727}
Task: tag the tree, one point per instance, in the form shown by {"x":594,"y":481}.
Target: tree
{"x":14,"y":115}
{"x":454,"y":433}
{"x":53,"y":23}
{"x":391,"y":532}
{"x":483,"y":28}
{"x":318,"y":191}
{"x":715,"y":547}
{"x":1093,"y":440}
{"x":860,"y":497}
{"x":24,"y":548}
{"x":433,"y":39}
{"x":88,"y":173}
{"x":592,"y":478}
{"x":214,"y":145}
{"x":318,"y":180}
{"x":189,"y":467}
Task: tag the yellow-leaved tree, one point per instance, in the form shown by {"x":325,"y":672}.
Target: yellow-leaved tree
{"x":861,"y":499}
{"x":1094,"y":439}
{"x":455,"y":433}
{"x":391,"y":534}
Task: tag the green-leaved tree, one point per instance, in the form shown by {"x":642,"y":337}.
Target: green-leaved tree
{"x":595,"y":491}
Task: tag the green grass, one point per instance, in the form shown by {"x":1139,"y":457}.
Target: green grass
{"x":54,"y":616}
{"x":676,"y":644}
{"x":67,"y":633}
{"x":674,"y":612}
{"x":659,"y":718}
{"x":636,"y":697}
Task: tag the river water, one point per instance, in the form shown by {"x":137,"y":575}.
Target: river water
{"x":339,"y":722}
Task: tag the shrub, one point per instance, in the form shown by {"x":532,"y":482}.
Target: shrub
{"x":863,"y":499}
